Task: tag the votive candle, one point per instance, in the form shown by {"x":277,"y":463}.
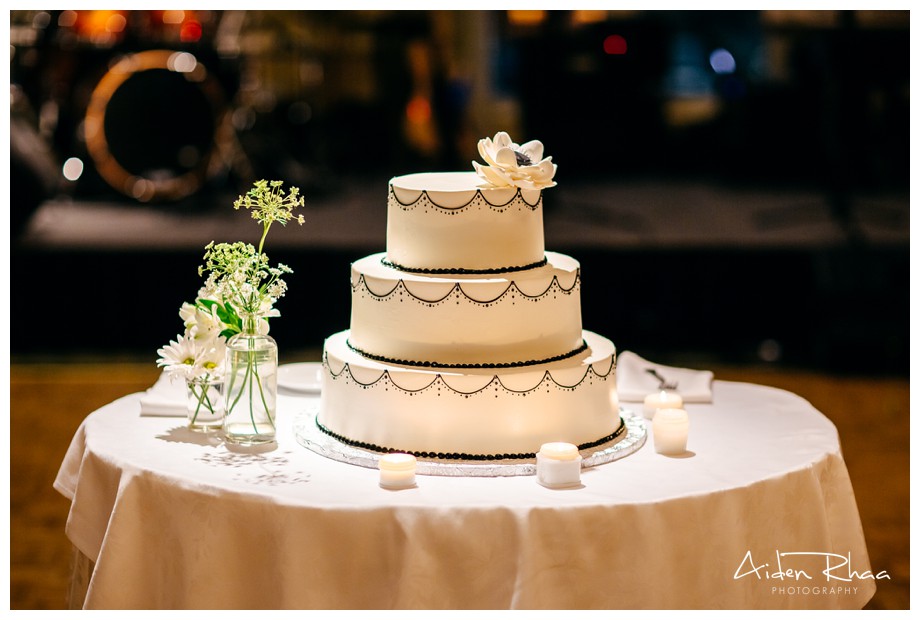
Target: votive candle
{"x":670,"y":428}
{"x":558,"y":465}
{"x":661,"y":400}
{"x":397,"y":470}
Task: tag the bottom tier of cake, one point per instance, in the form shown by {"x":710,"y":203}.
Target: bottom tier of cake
{"x":473,"y":414}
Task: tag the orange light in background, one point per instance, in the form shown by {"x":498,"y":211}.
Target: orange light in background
{"x":588,"y":17}
{"x":419,"y":128}
{"x":173,"y":17}
{"x":615,"y":45}
{"x":418,"y":110}
{"x":99,"y":27}
{"x":93,"y":23}
{"x":526,"y":18}
{"x":190,"y":31}
{"x":115,"y":23}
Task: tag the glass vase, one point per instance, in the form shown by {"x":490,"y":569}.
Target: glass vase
{"x":205,"y":403}
{"x":251,"y":393}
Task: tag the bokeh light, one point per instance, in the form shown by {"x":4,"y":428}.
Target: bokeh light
{"x":418,"y":110}
{"x":173,"y":17}
{"x":72,"y":168}
{"x":116,"y":23}
{"x":722,"y":61}
{"x":615,"y":45}
{"x":190,"y":31}
{"x":182,"y":62}
{"x":67,"y":19}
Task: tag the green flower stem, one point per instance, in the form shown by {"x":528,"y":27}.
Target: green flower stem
{"x":268,"y":411}
{"x":252,"y":373}
{"x":203,"y":398}
{"x":265,"y":228}
{"x":254,"y":381}
{"x":240,"y":393}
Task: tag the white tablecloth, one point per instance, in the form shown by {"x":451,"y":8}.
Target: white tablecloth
{"x":174,"y":520}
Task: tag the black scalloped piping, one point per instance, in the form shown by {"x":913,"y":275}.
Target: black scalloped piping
{"x":461,"y":270}
{"x":478,"y":194}
{"x":496,"y":380}
{"x":498,"y":365}
{"x":463,"y":456}
{"x":512,"y":288}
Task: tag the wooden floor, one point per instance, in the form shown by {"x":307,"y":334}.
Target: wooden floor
{"x":48,"y":402}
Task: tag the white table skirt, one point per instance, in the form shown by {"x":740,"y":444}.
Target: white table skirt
{"x":175,"y":520}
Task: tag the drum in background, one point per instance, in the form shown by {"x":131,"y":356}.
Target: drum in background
{"x":152,"y":125}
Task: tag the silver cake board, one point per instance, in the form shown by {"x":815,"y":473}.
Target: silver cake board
{"x":311,"y":437}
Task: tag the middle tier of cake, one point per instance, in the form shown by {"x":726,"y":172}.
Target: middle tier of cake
{"x":519,"y":318}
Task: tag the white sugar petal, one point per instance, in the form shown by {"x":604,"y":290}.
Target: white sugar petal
{"x":506,"y":158}
{"x":533,"y":150}
{"x":547,"y":169}
{"x":486,"y":150}
{"x":495,"y":177}
{"x":502,"y":140}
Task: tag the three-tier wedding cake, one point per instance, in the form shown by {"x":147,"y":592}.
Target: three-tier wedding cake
{"x":466,"y":340}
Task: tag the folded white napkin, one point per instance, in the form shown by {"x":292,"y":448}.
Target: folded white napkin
{"x":634,"y":382}
{"x":167,"y":397}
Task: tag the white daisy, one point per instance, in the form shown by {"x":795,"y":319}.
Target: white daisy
{"x":181,"y":357}
{"x":211,"y":357}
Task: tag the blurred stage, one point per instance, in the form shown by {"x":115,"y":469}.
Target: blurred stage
{"x":675,"y":270}
{"x":735,"y":184}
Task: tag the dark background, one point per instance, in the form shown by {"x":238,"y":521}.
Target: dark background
{"x":807,"y":111}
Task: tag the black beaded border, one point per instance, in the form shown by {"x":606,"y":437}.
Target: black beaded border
{"x":463,"y":456}
{"x":461,"y":270}
{"x":390,"y":360}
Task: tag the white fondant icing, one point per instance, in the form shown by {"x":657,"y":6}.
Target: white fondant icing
{"x":521,"y":316}
{"x":466,"y":287}
{"x":448,"y":220}
{"x":470,"y":411}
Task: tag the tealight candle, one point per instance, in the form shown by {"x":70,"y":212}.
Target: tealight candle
{"x":661,"y":400}
{"x":397,"y":470}
{"x":558,"y":465}
{"x":670,"y":428}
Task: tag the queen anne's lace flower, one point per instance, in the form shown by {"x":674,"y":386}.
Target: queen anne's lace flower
{"x":268,"y":203}
{"x":513,"y":165}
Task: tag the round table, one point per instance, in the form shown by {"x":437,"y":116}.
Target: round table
{"x":759,"y":513}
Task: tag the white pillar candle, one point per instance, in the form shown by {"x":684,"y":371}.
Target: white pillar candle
{"x":558,"y":465}
{"x":661,"y":400}
{"x":397,"y":470}
{"x":670,"y":428}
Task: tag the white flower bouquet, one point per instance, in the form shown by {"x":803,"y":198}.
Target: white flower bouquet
{"x":239,"y":292}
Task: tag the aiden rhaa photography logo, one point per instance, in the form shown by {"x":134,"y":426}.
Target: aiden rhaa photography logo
{"x":807,"y":573}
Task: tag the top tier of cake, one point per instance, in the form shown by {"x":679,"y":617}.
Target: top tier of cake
{"x":452,"y":222}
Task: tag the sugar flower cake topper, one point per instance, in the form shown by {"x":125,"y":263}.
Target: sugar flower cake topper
{"x":514,"y":165}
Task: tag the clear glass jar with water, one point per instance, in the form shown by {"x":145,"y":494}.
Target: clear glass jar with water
{"x":251,"y":386}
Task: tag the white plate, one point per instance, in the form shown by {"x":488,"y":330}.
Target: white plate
{"x":304,"y":377}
